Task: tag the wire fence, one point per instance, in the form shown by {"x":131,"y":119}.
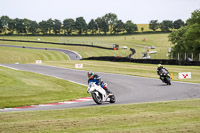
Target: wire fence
{"x":186,"y":56}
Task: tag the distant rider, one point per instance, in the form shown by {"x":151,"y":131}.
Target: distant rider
{"x":92,"y":77}
{"x":159,"y":68}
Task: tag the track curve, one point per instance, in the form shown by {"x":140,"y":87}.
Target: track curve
{"x":128,"y":89}
{"x":71,"y":54}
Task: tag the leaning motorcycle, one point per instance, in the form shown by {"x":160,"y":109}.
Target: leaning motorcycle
{"x":99,"y":95}
{"x":165,"y":77}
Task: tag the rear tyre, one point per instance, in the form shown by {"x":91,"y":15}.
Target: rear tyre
{"x":97,"y":99}
{"x":112,"y":99}
{"x":168,"y":81}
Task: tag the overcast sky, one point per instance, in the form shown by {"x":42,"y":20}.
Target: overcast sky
{"x":139,"y":11}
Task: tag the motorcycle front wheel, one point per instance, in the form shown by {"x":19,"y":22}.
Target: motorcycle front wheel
{"x":97,"y":99}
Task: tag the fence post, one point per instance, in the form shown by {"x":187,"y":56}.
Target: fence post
{"x":178,"y":56}
{"x":192,"y":56}
{"x":185,"y":56}
{"x":199,"y":56}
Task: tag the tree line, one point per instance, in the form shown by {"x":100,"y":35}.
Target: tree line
{"x":187,"y":38}
{"x":109,"y":23}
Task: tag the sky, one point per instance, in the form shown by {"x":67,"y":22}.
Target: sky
{"x":138,"y":11}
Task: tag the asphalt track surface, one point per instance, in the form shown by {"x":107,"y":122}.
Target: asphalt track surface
{"x":127,"y":89}
{"x":71,"y":54}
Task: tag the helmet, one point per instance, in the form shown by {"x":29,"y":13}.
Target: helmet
{"x":160,"y":66}
{"x":90,"y":74}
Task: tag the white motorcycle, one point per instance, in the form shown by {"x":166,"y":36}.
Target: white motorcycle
{"x":99,"y":95}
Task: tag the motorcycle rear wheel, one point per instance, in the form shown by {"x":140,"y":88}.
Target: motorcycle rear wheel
{"x":168,"y":81}
{"x":112,"y":99}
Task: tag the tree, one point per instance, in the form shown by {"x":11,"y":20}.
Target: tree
{"x":57,"y":26}
{"x":4,"y":21}
{"x":1,"y":26}
{"x":92,"y":26}
{"x":142,"y":29}
{"x":166,"y":25}
{"x":195,"y":19}
{"x":187,"y":38}
{"x":99,"y":24}
{"x":178,"y":24}
{"x":43,"y":27}
{"x":119,"y":27}
{"x":130,"y":27}
{"x":154,"y":25}
{"x":27,"y":23}
{"x":102,"y":25}
{"x":111,"y":19}
{"x":20,"y":27}
{"x":50,"y":25}
{"x":33,"y":28}
{"x":105,"y":26}
{"x":68,"y":26}
{"x":11,"y":25}
{"x":80,"y":25}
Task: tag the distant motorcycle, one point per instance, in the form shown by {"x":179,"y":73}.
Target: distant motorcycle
{"x":99,"y":95}
{"x":165,"y":77}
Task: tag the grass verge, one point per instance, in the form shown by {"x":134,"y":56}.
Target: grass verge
{"x":20,"y":55}
{"x":18,"y":88}
{"x":173,"y":116}
{"x":134,"y":69}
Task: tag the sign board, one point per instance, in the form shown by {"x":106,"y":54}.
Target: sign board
{"x":38,"y":61}
{"x":78,"y":65}
{"x":184,"y":75}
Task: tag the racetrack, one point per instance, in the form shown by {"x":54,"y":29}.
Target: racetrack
{"x":71,"y":54}
{"x":127,"y":89}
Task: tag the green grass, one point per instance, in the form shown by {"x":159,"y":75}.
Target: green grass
{"x":134,"y":69}
{"x":13,"y":55}
{"x":83,"y":51}
{"x":146,"y":27}
{"x":174,"y":116}
{"x":18,"y":88}
{"x":160,"y":41}
{"x":24,"y":88}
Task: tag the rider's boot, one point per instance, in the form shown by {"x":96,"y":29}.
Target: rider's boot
{"x":107,"y":91}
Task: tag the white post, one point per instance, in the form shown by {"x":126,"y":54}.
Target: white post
{"x":192,"y":56}
{"x":185,"y":56}
{"x":178,"y":56}
{"x":199,"y":56}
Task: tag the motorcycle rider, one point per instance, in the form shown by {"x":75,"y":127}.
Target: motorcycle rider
{"x":92,"y":77}
{"x":159,"y":68}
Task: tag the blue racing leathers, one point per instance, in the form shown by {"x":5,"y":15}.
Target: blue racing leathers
{"x":97,"y":80}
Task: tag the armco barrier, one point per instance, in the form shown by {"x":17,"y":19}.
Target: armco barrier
{"x":147,"y":61}
{"x":86,"y":45}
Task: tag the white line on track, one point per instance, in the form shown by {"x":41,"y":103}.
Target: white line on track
{"x":9,"y":67}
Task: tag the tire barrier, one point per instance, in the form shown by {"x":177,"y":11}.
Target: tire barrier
{"x":145,"y":61}
{"x":86,"y":45}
